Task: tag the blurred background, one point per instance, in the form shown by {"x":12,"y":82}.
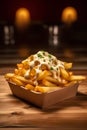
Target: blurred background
{"x":57,"y":26}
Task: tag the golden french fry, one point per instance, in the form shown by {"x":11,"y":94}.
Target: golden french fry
{"x":70,"y":83}
{"x":52,"y":79}
{"x":55,"y":81}
{"x":64,"y":74}
{"x":17,"y":81}
{"x":43,"y":89}
{"x":32,"y":73}
{"x":22,"y":79}
{"x":43,"y":74}
{"x":26,"y":65}
{"x":9,"y":75}
{"x":70,"y":73}
{"x":77,"y":77}
{"x":48,"y":83}
{"x":16,"y":71}
{"x":20,"y":66}
{"x":63,"y":82}
{"x":29,"y":87}
{"x":67,"y":65}
{"x":20,"y":72}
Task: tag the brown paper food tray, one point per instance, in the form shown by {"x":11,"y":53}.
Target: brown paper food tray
{"x":44,"y":100}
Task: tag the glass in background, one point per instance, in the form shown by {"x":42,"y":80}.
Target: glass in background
{"x":9,"y":35}
{"x":53,"y":39}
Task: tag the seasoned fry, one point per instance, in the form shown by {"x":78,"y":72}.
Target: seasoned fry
{"x":26,"y":65}
{"x":17,"y":81}
{"x":43,"y":89}
{"x":9,"y":75}
{"x":20,"y":72}
{"x":64,"y":74}
{"x":77,"y":77}
{"x":51,"y":79}
{"x":70,"y":83}
{"x":32,"y":73}
{"x":63,"y":82}
{"x":48,"y":84}
{"x":22,"y":79}
{"x":43,"y":72}
{"x":67,"y":65}
{"x":20,"y":66}
{"x":29,"y":87}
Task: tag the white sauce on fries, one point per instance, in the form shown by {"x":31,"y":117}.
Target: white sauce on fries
{"x":43,"y":72}
{"x":44,"y":58}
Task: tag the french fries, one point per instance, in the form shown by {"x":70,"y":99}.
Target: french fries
{"x":17,"y":81}
{"x":43,"y":89}
{"x":67,"y":65}
{"x":43,"y":72}
{"x":64,"y":74}
{"x":76,"y":77}
{"x":48,"y":83}
{"x":29,"y":87}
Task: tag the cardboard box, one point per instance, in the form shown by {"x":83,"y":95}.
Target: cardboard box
{"x":44,"y":100}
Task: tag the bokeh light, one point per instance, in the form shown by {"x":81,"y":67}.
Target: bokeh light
{"x":22,"y":17}
{"x":69,"y":15}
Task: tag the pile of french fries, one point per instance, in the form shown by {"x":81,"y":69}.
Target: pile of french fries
{"x":43,"y":72}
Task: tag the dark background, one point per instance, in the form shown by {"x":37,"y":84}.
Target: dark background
{"x":46,"y":12}
{"x":43,"y":10}
{"x":72,"y":40}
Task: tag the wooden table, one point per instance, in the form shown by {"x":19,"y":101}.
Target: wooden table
{"x":69,"y":114}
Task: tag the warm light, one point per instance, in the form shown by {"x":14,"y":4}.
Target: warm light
{"x":22,"y":17}
{"x":69,"y":15}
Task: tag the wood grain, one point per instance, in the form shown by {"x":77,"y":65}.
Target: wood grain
{"x":71,"y":113}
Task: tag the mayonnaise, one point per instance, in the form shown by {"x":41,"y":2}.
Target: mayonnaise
{"x":44,"y":58}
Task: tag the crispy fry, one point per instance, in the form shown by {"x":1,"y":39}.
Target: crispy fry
{"x":70,"y":73}
{"x":77,"y":78}
{"x":67,"y":65}
{"x":20,"y":66}
{"x":43,"y":89}
{"x":17,"y":81}
{"x":43,"y":72}
{"x":22,"y":79}
{"x":20,"y":72}
{"x":9,"y":75}
{"x":26,"y":65}
{"x":48,"y":84}
{"x":29,"y":87}
{"x":63,"y":82}
{"x":64,"y":74}
{"x":70,"y":83}
{"x":52,"y":79}
{"x":32,"y":73}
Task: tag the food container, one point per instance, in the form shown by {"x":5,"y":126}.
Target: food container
{"x":44,"y":100}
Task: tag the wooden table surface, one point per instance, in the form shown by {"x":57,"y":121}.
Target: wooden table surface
{"x":71,"y":113}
